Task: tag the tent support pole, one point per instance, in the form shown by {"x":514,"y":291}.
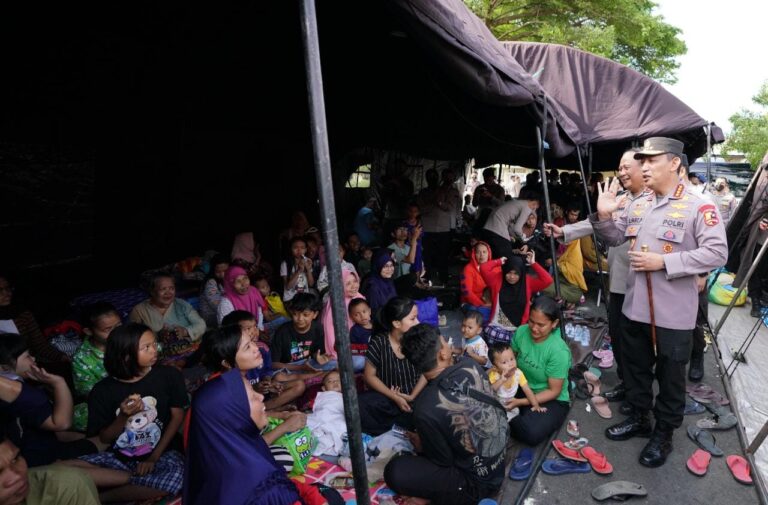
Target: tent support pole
{"x":594,"y":235}
{"x":743,"y":284}
{"x":324,"y":180}
{"x":708,"y":129}
{"x":547,"y":208}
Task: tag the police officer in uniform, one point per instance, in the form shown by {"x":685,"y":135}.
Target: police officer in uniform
{"x":674,"y":235}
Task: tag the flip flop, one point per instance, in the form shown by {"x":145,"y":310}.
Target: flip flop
{"x":704,"y":439}
{"x":593,"y":381}
{"x":724,"y":422}
{"x":739,"y":469}
{"x":564,"y":466}
{"x":606,"y":362}
{"x":698,"y":388}
{"x":597,"y":460}
{"x":618,"y":490}
{"x":599,"y":354}
{"x":572,"y":428}
{"x":567,"y":453}
{"x":521,"y":468}
{"x":692,"y":407}
{"x":576,"y":443}
{"x":600,"y":403}
{"x":598,"y":373}
{"x":717,"y":409}
{"x":698,"y":463}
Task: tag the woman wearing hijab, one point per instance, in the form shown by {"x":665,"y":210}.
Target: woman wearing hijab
{"x":240,"y":295}
{"x":379,"y":287}
{"x":351,"y":291}
{"x":511,"y":290}
{"x":228,"y":461}
{"x":245,"y":253}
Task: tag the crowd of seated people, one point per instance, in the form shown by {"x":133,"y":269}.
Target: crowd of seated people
{"x":264,"y":342}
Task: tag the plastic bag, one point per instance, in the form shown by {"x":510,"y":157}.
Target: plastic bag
{"x":300,"y":444}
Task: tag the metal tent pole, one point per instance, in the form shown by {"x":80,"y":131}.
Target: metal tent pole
{"x":589,"y":210}
{"x":709,"y":155}
{"x":547,"y":209}
{"x":328,"y":212}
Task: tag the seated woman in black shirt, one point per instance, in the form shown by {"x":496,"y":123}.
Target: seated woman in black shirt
{"x":392,"y":379}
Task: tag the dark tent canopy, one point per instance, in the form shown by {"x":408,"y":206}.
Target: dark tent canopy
{"x":611,"y":104}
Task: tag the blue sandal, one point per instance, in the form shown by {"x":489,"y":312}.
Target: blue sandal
{"x":563,"y":466}
{"x":521,"y":468}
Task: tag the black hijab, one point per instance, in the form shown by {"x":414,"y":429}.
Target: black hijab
{"x":513,"y":297}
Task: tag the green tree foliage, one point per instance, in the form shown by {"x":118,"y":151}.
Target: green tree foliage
{"x":750,"y":130}
{"x":626,"y":31}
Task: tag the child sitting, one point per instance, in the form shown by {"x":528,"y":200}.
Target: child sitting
{"x":362,"y":329}
{"x":294,"y":343}
{"x":88,"y":360}
{"x":327,"y":418}
{"x":138,"y":409}
{"x":351,"y":292}
{"x":474,"y":345}
{"x":297,"y":270}
{"x":505,"y":378}
{"x":276,"y":393}
{"x":274,"y":314}
{"x":364,"y":264}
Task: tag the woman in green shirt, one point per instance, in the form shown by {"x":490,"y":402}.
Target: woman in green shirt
{"x":545,"y":359}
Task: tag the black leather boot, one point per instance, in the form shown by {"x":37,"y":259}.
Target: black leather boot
{"x":636,"y":425}
{"x":657,"y":449}
{"x":755,"y":310}
{"x":696,"y":369}
{"x":616,"y":394}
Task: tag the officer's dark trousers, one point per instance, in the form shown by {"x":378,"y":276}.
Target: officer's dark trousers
{"x":437,"y":255}
{"x":500,"y":246}
{"x":614,"y":329}
{"x":674,"y":349}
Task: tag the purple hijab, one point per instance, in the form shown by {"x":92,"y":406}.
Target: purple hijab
{"x":378,"y":290}
{"x":227,"y":460}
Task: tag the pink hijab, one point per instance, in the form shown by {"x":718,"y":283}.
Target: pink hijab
{"x":330,"y":335}
{"x":243,"y":247}
{"x":251,"y":301}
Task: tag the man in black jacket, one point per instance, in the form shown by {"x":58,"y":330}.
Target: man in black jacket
{"x":461,"y":430}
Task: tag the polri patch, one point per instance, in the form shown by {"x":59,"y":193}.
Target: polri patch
{"x":709,"y":213}
{"x":677,"y":224}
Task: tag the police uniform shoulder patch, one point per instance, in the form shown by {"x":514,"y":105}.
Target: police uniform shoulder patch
{"x":679,"y":190}
{"x":709,"y":213}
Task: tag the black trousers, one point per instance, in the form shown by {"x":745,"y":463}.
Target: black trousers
{"x":378,"y":413}
{"x":674,"y":349}
{"x":418,"y":477}
{"x":756,"y":285}
{"x":500,"y":246}
{"x":532,"y":428}
{"x":701,"y":321}
{"x":614,"y":328}
{"x":437,"y":257}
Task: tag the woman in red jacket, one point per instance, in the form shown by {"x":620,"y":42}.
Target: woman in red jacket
{"x":511,"y":290}
{"x":472,"y":283}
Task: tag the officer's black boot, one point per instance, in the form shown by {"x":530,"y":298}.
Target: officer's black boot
{"x":657,"y":449}
{"x":696,"y":368}
{"x":616,"y":394}
{"x":626,"y":409}
{"x":636,"y":425}
{"x":755,"y":310}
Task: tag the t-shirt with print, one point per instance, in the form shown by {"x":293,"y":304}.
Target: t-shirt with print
{"x":540,"y":362}
{"x":400,"y":254}
{"x":460,"y":431}
{"x":160,"y":390}
{"x":87,"y":370}
{"x":288,"y":345}
{"x":478,"y":346}
{"x":302,"y":283}
{"x":390,"y":369}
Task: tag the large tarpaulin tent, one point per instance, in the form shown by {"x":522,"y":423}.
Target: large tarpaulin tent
{"x":611,"y":104}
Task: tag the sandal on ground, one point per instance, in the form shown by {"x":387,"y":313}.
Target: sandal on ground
{"x":739,"y":469}
{"x":724,"y":422}
{"x":564,"y":466}
{"x":692,"y":407}
{"x":597,"y":460}
{"x":594,"y":381}
{"x":600,"y":404}
{"x":699,"y":387}
{"x":521,"y":468}
{"x":572,"y":428}
{"x":576,"y":444}
{"x":606,"y":362}
{"x":705,"y":440}
{"x":618,"y":490}
{"x":567,"y":453}
{"x":698,"y":463}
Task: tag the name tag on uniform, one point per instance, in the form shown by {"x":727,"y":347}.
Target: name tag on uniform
{"x":678,"y":224}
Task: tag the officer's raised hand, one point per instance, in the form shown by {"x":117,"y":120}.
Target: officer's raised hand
{"x":552,"y":230}
{"x":645,"y":261}
{"x":607,"y":203}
